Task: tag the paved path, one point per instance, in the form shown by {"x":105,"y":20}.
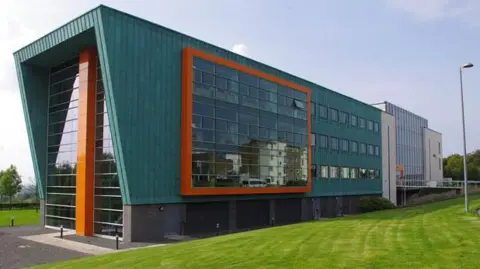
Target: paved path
{"x":17,"y":252}
{"x":53,"y":240}
{"x":25,"y":246}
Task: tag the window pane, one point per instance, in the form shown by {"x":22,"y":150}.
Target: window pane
{"x":203,"y":65}
{"x":322,"y":111}
{"x":333,"y":114}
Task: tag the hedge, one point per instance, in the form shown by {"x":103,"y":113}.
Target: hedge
{"x":374,"y":203}
{"x":4,"y":206}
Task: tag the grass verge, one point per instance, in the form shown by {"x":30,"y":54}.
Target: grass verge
{"x":437,"y":235}
{"x":22,"y":217}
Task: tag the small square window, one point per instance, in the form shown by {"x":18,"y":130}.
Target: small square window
{"x":353,"y":120}
{"x":333,"y":114}
{"x":353,"y":146}
{"x":334,"y":143}
{"x":370,"y":125}
{"x":323,"y":171}
{"x":322,"y":111}
{"x":361,"y":123}
{"x":343,"y":117}
{"x":333,"y":172}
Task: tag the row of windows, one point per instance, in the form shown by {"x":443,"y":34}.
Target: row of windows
{"x":227,"y":78}
{"x":241,"y":123}
{"x":336,"y":172}
{"x":323,"y":112}
{"x":345,"y":145}
{"x":252,"y":97}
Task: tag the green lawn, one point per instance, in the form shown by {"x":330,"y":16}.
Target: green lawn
{"x":437,"y":235}
{"x":22,"y":217}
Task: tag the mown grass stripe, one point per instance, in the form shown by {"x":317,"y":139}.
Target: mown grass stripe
{"x":437,"y":235}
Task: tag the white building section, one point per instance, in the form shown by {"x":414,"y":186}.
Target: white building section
{"x":389,"y":144}
{"x":433,"y":155}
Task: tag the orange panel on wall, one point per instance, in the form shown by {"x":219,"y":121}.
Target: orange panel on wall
{"x":86,"y":142}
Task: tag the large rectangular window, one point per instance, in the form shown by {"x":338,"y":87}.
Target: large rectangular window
{"x":62,"y":145}
{"x":256,"y":136}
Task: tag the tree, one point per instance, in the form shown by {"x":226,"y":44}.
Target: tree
{"x":453,"y":166}
{"x":10,"y":182}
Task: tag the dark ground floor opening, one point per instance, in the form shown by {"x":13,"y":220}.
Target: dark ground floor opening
{"x":154,"y":223}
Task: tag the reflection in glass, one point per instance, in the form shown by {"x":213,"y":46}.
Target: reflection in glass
{"x":251,"y":134}
{"x":323,"y":171}
{"x":354,"y":173}
{"x":333,"y":172}
{"x":62,"y":145}
{"x":108,"y":215}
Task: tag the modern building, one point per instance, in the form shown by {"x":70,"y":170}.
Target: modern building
{"x":418,"y":148}
{"x":137,"y":129}
{"x":389,"y":160}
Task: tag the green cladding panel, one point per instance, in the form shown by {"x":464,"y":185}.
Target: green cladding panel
{"x":141,"y":66}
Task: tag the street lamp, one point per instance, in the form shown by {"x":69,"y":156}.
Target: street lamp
{"x":467,"y":65}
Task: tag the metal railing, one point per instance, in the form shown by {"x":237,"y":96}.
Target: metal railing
{"x":444,"y":184}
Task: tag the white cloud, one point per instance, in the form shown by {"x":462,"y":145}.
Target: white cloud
{"x":467,"y":11}
{"x":241,"y":49}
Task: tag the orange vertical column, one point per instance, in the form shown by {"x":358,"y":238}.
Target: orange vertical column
{"x":86,"y":142}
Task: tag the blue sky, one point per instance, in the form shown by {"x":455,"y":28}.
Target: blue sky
{"x":406,"y":52}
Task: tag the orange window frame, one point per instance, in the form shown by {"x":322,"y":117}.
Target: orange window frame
{"x":186,"y":128}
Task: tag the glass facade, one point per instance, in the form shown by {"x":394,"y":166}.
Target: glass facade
{"x":246,"y":131}
{"x":62,"y":145}
{"x":409,"y":133}
{"x":62,"y":155}
{"x":108,"y":206}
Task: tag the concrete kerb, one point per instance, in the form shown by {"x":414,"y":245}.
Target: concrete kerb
{"x":52,"y":239}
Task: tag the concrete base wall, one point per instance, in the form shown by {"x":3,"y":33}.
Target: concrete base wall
{"x":152,"y":223}
{"x":42,"y":213}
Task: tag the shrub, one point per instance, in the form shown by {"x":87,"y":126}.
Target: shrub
{"x":374,"y":203}
{"x":296,"y":183}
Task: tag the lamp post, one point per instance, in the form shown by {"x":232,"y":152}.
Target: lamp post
{"x":467,"y":65}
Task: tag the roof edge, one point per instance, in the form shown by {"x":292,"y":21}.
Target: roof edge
{"x":56,"y":29}
{"x":245,"y":57}
{"x":432,"y":130}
